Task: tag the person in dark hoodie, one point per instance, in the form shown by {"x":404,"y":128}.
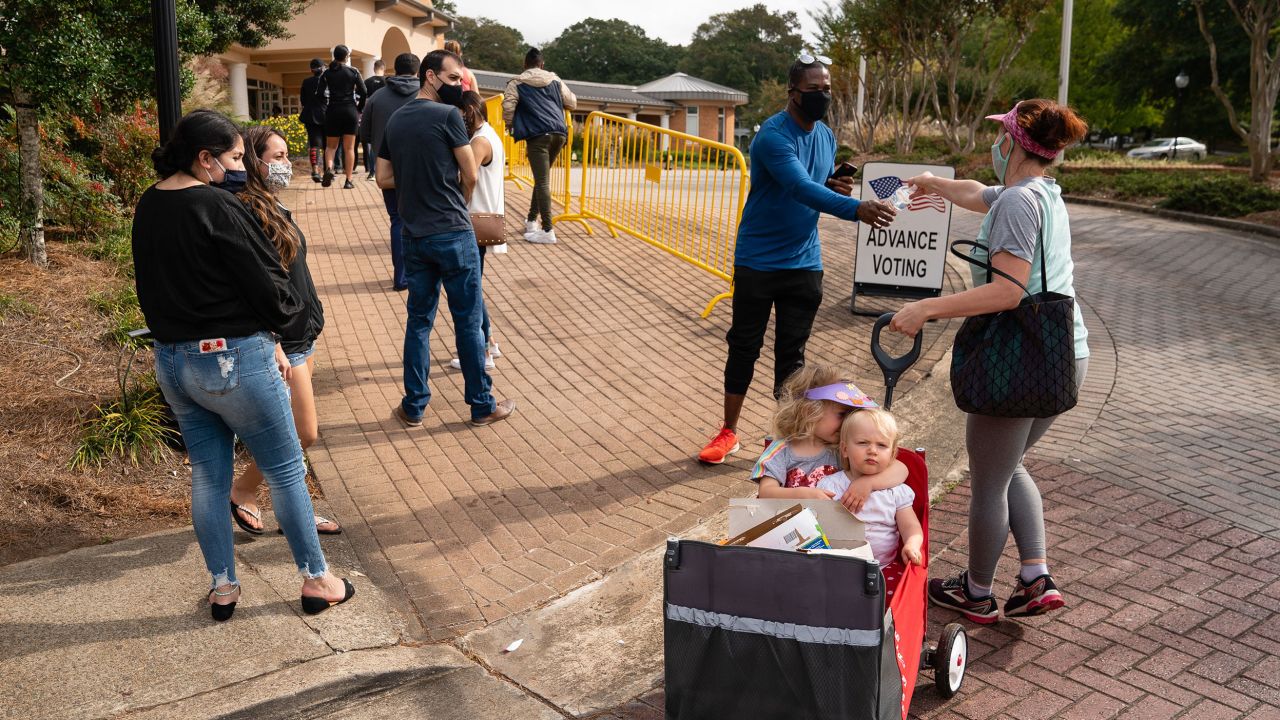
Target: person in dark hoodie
{"x":314,"y":105}
{"x":398,"y":90}
{"x":533,"y":107}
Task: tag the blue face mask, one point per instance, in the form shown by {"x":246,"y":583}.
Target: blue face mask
{"x":999,"y":162}
{"x":233,"y":181}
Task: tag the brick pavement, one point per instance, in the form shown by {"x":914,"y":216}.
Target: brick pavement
{"x":1172,"y":589}
{"x":618,"y":381}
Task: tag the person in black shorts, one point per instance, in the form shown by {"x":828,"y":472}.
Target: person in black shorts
{"x":314,"y":104}
{"x":345,"y":88}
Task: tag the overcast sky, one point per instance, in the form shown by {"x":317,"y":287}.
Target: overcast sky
{"x":672,"y":20}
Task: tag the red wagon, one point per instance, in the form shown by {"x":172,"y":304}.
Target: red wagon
{"x":759,"y":634}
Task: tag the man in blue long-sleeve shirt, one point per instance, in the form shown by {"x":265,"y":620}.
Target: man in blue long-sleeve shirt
{"x":778,"y":259}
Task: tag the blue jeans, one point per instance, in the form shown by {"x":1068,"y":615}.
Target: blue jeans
{"x":217,"y":397}
{"x":450,"y":259}
{"x":397,"y":244}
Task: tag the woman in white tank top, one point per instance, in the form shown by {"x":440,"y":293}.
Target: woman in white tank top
{"x":486,"y":145}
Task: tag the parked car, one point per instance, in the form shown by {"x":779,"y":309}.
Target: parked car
{"x":1165,"y":149}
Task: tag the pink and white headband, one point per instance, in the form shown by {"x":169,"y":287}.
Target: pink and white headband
{"x":1020,"y":136}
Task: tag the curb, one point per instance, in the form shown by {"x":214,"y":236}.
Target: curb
{"x":1266,"y":232}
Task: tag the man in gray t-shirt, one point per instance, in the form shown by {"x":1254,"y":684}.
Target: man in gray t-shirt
{"x":426,"y":157}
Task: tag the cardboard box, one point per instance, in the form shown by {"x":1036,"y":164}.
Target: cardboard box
{"x":842,"y":530}
{"x":795,"y":528}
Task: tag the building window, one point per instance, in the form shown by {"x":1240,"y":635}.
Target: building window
{"x":720,"y":126}
{"x":691,"y":120}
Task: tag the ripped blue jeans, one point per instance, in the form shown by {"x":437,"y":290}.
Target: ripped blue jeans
{"x":231,"y":390}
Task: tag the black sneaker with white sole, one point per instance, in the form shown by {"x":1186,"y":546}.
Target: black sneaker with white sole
{"x":953,"y":593}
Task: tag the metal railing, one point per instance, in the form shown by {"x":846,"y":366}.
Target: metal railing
{"x":518,"y":170}
{"x":677,"y":192}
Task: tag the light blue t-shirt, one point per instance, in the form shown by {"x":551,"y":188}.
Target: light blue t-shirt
{"x":789,"y":171}
{"x":1013,"y":225}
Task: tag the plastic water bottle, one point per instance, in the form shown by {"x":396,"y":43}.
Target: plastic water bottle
{"x":901,"y":198}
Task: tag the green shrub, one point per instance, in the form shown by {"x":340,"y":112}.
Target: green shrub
{"x":115,"y":246}
{"x":1223,"y":196}
{"x":130,"y":428}
{"x":1127,"y":185}
{"x":123,"y":314}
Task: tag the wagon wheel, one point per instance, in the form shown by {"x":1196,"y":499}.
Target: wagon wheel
{"x":950,"y":660}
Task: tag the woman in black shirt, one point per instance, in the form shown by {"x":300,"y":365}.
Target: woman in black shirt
{"x":343,"y":85}
{"x":213,"y":292}
{"x":269,"y":170}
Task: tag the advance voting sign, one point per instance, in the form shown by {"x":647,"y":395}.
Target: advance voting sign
{"x":908,"y":258}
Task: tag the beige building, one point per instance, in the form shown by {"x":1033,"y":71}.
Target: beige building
{"x":677,"y":102}
{"x":269,"y":78}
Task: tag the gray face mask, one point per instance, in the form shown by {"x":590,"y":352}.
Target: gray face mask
{"x":279,"y":174}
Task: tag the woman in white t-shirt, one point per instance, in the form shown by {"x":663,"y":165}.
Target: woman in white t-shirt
{"x":491,"y":167}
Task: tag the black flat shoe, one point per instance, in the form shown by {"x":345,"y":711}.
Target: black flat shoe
{"x":327,"y":180}
{"x":222,"y":613}
{"x":245,"y":526}
{"x":315,"y":177}
{"x":315,"y":605}
{"x":347,"y":185}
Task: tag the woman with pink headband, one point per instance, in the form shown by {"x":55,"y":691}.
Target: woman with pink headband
{"x":1026,"y":206}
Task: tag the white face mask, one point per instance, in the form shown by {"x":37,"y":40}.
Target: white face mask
{"x":279,"y":174}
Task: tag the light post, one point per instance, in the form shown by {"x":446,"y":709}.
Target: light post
{"x":1181,"y":82}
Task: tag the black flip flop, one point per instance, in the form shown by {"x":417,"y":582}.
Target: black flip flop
{"x":240,"y":521}
{"x":315,"y":605}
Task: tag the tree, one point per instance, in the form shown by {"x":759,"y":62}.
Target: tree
{"x":742,"y":49}
{"x":82,"y":55}
{"x":610,"y":51}
{"x":1259,"y":19}
{"x":490,"y":45}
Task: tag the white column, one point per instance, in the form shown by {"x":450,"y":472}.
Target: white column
{"x":367,"y":65}
{"x":238,"y":78}
{"x":631,"y":116}
{"x":664,"y":122}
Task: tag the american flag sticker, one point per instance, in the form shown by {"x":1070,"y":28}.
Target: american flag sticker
{"x":213,"y":345}
{"x":885,"y":186}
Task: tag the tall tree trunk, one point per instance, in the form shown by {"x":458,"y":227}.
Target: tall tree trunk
{"x":31,"y":198}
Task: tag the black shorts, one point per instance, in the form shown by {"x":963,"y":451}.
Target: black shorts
{"x":341,"y":120}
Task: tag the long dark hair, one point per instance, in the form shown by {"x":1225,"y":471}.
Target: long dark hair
{"x":473,"y":114}
{"x":340,"y":55}
{"x":197,"y":130}
{"x":262,"y":202}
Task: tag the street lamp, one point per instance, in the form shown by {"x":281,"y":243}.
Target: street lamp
{"x":164,"y":27}
{"x":1181,"y":82}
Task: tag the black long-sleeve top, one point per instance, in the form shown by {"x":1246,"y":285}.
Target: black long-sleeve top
{"x":314,"y":102}
{"x":204,"y":269}
{"x":305,"y":290}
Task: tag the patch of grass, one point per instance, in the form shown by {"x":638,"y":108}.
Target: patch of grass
{"x":114,"y":246}
{"x":12,"y":305}
{"x":131,"y":428}
{"x":123,"y":314}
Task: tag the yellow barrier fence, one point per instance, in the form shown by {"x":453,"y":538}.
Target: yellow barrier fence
{"x":677,"y":192}
{"x":518,"y":170}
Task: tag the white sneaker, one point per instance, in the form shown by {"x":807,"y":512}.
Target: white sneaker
{"x":456,"y":364}
{"x":494,"y":350}
{"x":542,"y":237}
{"x":531,"y":226}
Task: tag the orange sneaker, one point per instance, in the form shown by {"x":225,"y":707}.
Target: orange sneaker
{"x":720,"y":447}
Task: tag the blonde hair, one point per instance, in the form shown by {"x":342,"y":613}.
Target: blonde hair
{"x":797,"y":415}
{"x":881,"y":419}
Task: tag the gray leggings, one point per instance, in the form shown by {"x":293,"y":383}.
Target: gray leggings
{"x":1003,"y":495}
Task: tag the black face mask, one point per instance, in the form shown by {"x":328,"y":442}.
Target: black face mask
{"x":450,"y":94}
{"x":814,"y":104}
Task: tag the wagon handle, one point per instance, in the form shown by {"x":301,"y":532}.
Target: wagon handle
{"x":892,"y":367}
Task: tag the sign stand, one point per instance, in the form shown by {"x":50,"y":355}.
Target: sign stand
{"x":907,"y":259}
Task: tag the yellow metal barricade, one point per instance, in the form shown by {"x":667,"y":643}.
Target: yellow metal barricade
{"x":518,"y":170}
{"x":675,"y":191}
